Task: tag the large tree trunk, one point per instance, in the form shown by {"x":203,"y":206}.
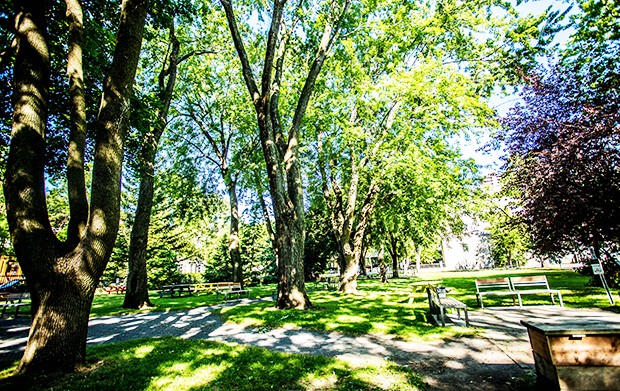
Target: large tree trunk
{"x":418,"y":258}
{"x":60,"y":312}
{"x":62,"y":277}
{"x":137,"y":293}
{"x":382,"y":267}
{"x":234,"y":249}
{"x":349,"y":270}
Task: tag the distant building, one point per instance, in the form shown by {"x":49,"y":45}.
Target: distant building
{"x":470,"y":250}
{"x":192,"y":266}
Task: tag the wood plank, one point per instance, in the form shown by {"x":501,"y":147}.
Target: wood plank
{"x":589,"y":350}
{"x":539,"y":344}
{"x":588,"y":378}
{"x":575,"y":327}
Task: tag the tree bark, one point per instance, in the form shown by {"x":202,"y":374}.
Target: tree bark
{"x":393,"y":250}
{"x":349,"y":222}
{"x":220,"y":143}
{"x":418,"y":259}
{"x":382,"y":267}
{"x":137,"y":293}
{"x":234,"y":249}
{"x":62,"y":277}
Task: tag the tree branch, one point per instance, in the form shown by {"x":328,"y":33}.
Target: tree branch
{"x":76,"y":184}
{"x":243,"y":57}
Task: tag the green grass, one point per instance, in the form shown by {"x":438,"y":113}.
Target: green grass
{"x":377,"y":309}
{"x":386,"y":308}
{"x":177,"y":364}
{"x":111,"y":304}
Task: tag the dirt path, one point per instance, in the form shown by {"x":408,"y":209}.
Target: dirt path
{"x":497,"y":361}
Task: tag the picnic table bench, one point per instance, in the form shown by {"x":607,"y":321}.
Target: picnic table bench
{"x":177,"y":289}
{"x":439,"y":303}
{"x":120,"y":288}
{"x":224,"y":288}
{"x":494,"y":287}
{"x":232,"y":289}
{"x":14,"y":300}
{"x":515,"y":287}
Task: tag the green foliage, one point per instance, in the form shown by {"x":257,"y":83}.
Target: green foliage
{"x":509,"y":237}
{"x":321,"y":246}
{"x":257,"y":255}
{"x":100,"y":24}
{"x":593,"y":48}
{"x":216,"y":257}
{"x":117,"y":265}
{"x":181,"y":364}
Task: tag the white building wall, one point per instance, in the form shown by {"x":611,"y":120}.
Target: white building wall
{"x":471,"y":250}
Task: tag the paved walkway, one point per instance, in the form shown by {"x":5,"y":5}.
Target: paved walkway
{"x":491,"y":362}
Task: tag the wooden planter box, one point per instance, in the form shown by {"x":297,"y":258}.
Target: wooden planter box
{"x":580,"y":355}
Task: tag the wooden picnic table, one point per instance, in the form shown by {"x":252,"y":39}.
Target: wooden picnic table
{"x":179,"y":289}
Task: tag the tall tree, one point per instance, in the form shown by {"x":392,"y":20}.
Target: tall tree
{"x":137,"y":284}
{"x":564,"y":163}
{"x":415,"y":76}
{"x":137,"y":295}
{"x":221,"y":130}
{"x":281,"y":150}
{"x":63,"y":276}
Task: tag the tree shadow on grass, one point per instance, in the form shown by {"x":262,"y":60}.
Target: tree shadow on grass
{"x":172,"y":363}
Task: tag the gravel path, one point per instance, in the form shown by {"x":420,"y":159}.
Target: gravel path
{"x":491,"y":362}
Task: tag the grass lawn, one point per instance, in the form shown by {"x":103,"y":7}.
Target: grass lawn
{"x":177,"y":364}
{"x":386,"y":308}
{"x":398,"y":308}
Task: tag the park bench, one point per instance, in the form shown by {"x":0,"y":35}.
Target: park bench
{"x":440,"y":303}
{"x":515,"y":287}
{"x":231,"y":289}
{"x":533,"y":285}
{"x":494,"y":287}
{"x":14,"y":300}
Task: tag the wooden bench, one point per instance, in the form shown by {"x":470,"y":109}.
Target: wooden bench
{"x":438,"y":305}
{"x":211,"y":287}
{"x":15,"y":300}
{"x":494,"y":287}
{"x":534,"y":285}
{"x":231,"y":289}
